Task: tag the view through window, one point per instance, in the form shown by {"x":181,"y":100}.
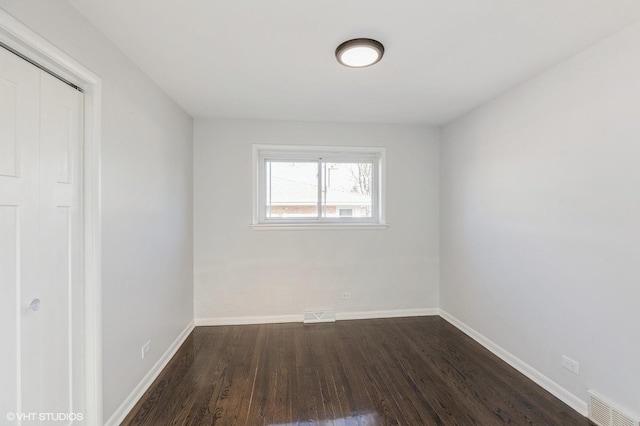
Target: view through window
{"x":319,"y":186}
{"x":297,"y":189}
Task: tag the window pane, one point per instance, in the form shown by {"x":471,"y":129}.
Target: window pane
{"x":347,"y":189}
{"x":302,"y":185}
{"x":292,"y":189}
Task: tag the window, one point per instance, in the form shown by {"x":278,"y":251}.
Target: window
{"x":318,"y":185}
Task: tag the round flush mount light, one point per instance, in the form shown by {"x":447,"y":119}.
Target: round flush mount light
{"x":359,"y":52}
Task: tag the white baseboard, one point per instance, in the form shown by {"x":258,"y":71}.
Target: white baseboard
{"x":276,"y":319}
{"x":543,"y":381}
{"x":148,"y":379}
{"x":396,"y":313}
{"x":271,"y":319}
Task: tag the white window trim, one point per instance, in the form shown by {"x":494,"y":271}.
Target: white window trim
{"x":260,"y":151}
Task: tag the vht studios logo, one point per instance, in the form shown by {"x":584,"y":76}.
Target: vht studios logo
{"x":51,"y":417}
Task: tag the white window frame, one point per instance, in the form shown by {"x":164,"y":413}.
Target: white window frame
{"x":374,"y":155}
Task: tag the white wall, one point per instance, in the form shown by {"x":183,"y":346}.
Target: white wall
{"x":147,"y":200}
{"x":540,"y":220}
{"x":240,"y":272}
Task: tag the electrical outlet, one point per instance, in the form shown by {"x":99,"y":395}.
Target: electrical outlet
{"x":571,"y":365}
{"x":345,"y":295}
{"x":145,"y":349}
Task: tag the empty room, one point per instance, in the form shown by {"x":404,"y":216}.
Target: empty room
{"x":297,"y":212}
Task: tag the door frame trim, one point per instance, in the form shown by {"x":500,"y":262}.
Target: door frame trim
{"x":21,"y":38}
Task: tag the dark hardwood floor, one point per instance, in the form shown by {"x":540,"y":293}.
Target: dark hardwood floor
{"x":407,"y":371}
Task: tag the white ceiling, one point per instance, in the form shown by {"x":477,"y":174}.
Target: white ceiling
{"x":275,"y":59}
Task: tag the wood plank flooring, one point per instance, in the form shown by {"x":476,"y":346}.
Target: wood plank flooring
{"x":407,"y":371}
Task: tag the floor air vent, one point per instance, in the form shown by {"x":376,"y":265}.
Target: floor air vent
{"x":313,"y":317}
{"x":604,"y":413}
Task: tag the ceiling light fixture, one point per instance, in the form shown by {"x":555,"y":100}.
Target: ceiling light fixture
{"x":359,"y":52}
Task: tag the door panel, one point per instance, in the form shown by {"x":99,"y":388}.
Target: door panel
{"x":8,"y":131}
{"x":60,"y":224}
{"x":55,"y":385}
{"x":40,"y":231}
{"x":60,"y":140}
{"x":19,"y":187}
{"x":19,"y":117}
{"x":9,"y":283}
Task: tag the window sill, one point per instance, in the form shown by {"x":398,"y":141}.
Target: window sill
{"x":318,"y":226}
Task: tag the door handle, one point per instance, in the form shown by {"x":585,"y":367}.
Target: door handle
{"x":34,"y":305}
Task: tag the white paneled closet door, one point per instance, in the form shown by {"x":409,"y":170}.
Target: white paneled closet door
{"x":41,"y":356}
